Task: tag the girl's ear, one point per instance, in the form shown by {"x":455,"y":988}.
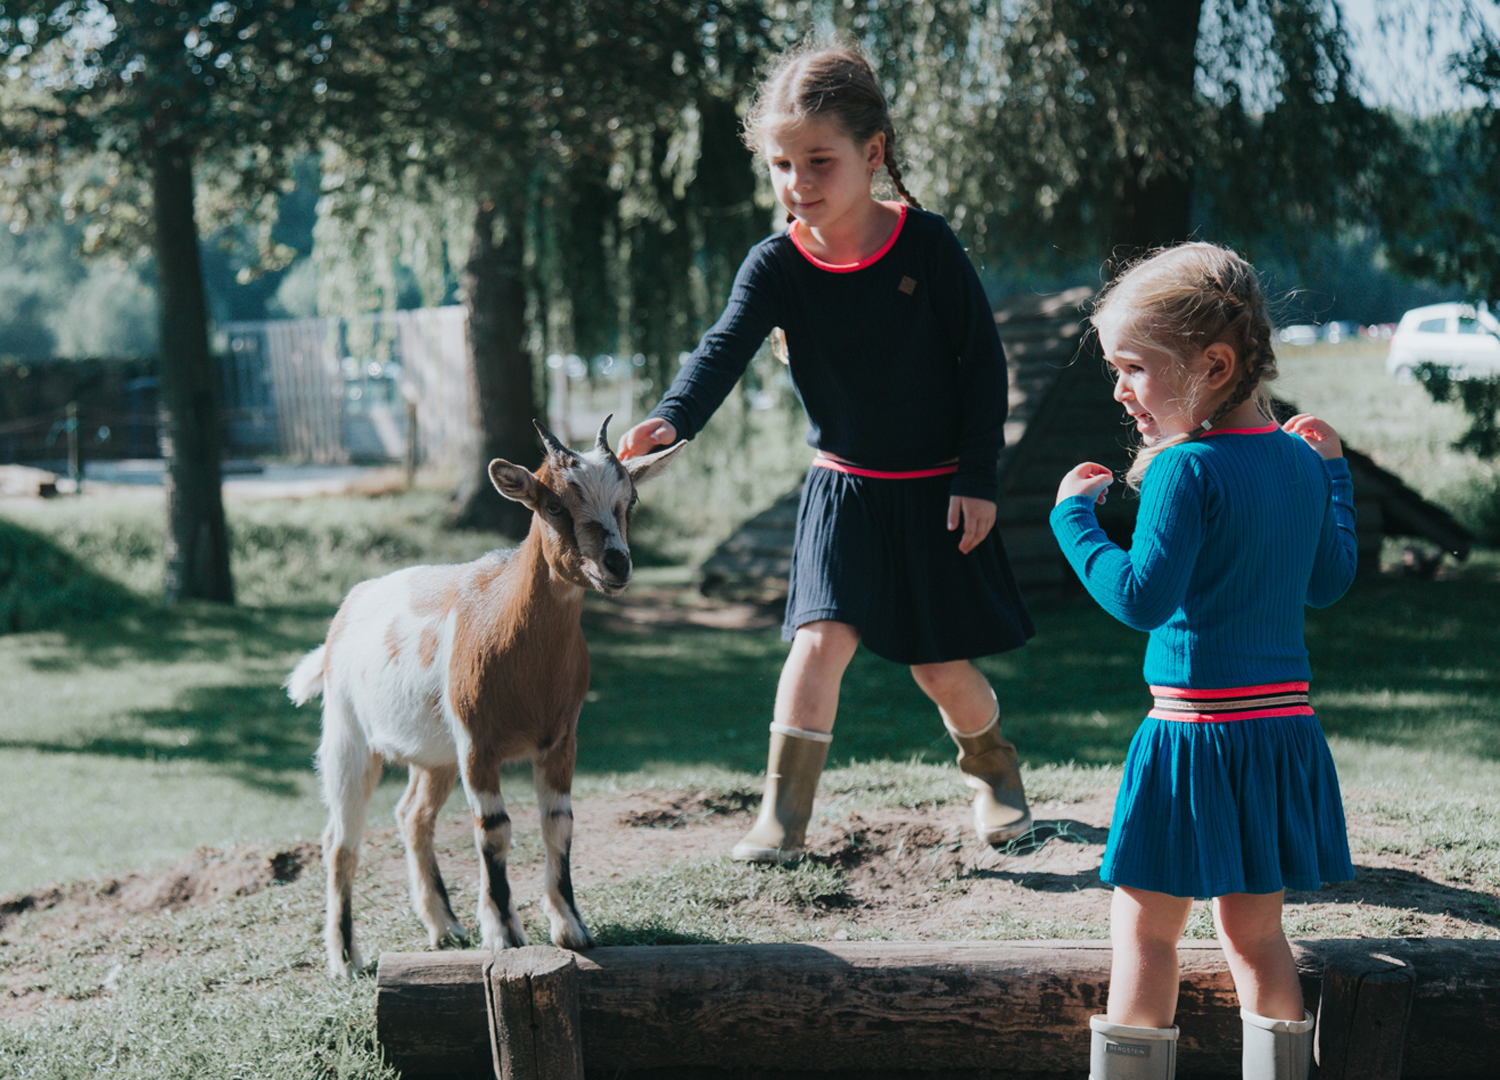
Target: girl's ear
{"x":1221,"y":364}
{"x":875,"y":152}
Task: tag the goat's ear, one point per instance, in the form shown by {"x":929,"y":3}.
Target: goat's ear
{"x":515,"y":483}
{"x":644,"y":468}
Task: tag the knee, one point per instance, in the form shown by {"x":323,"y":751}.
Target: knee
{"x":828,"y":642}
{"x":938,"y":681}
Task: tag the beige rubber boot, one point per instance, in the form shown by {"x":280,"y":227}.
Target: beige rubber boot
{"x":1122,"y":1052}
{"x":792,"y":772}
{"x":1277,"y":1049}
{"x":990,"y":766}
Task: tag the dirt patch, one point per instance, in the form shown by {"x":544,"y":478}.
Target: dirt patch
{"x":905,"y":874}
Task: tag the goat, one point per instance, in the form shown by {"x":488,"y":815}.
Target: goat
{"x":453,"y":670}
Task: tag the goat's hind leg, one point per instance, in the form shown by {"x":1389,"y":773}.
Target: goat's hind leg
{"x":416,"y":814}
{"x":553,"y":776}
{"x":349,"y":772}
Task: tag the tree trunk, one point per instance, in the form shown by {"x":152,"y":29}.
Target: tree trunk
{"x":495,"y":296}
{"x":197,"y":543}
{"x":1154,"y":192}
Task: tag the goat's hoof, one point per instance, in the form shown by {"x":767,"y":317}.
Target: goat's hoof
{"x":575,"y":937}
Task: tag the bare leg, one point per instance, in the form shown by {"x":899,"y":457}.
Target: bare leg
{"x":416,"y":815}
{"x":807,"y":697}
{"x":1144,"y":928}
{"x":960,"y":691}
{"x":1259,"y":957}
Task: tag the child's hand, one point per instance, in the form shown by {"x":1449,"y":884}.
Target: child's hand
{"x":977,"y":517}
{"x":1317,"y":434}
{"x":1086,"y":479}
{"x":645,"y":437}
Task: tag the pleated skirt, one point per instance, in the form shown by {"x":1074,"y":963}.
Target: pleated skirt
{"x":1242,"y":806}
{"x":876,"y":553}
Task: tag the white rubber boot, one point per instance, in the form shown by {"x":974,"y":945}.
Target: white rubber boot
{"x":990,"y":766}
{"x":1122,"y":1052}
{"x":1277,"y":1049}
{"x":792,"y":770}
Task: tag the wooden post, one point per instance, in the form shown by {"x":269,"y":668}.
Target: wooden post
{"x":1362,"y":1016}
{"x":532,"y":994}
{"x":75,"y":463}
{"x":411,"y":442}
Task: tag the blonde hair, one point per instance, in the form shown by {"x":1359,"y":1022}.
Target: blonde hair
{"x":1180,"y":300}
{"x":826,"y":80}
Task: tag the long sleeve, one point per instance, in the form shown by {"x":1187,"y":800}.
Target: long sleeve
{"x":707,"y":376}
{"x":1144,"y":586}
{"x":1338,"y":545}
{"x":982,"y":380}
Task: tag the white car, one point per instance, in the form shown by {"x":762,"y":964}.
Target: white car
{"x":1462,"y":337}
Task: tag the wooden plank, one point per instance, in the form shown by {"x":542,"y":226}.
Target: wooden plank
{"x":948,"y":1006}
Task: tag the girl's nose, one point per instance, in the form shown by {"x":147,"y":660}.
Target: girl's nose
{"x":1120,"y":390}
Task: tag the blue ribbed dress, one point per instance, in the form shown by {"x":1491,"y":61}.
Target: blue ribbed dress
{"x":1237,"y":532}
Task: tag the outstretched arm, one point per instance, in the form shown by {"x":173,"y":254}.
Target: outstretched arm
{"x":645,"y":437}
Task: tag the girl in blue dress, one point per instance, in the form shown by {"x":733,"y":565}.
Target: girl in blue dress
{"x":893,"y":350}
{"x":1229,"y":790}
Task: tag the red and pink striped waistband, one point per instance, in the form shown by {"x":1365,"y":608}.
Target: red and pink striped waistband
{"x":1232,"y":703}
{"x":823,"y":461}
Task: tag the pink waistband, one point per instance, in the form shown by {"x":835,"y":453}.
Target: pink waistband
{"x":822,"y":461}
{"x":1231,"y":703}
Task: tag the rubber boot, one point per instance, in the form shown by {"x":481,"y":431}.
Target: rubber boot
{"x":990,"y":766}
{"x":792,"y":771}
{"x":1122,"y":1052}
{"x":1277,"y":1049}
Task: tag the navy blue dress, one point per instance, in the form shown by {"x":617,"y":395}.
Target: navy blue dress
{"x":898,"y":363}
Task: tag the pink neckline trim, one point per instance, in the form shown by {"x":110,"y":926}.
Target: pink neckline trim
{"x":845,"y":268}
{"x":1273,"y":426}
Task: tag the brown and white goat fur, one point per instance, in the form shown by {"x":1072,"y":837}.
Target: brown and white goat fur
{"x":453,"y":670}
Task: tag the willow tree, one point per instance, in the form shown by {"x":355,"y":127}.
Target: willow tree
{"x":584,"y":146}
{"x":161,"y":90}
{"x":1099,"y":127}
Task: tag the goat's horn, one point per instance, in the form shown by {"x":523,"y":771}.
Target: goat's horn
{"x":553,"y":443}
{"x":602,"y":442}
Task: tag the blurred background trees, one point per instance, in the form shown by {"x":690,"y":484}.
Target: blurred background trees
{"x":571,"y":171}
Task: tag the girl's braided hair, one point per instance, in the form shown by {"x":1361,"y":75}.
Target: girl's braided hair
{"x":1180,"y":300}
{"x":825,"y":79}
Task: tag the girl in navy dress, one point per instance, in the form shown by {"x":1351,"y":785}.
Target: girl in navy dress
{"x":1229,"y":791}
{"x":893,"y":351}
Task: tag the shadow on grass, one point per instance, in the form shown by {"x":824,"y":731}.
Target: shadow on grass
{"x":43,"y":587}
{"x":248,"y":733}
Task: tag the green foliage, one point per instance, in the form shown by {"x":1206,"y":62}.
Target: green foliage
{"x":1480,"y":397}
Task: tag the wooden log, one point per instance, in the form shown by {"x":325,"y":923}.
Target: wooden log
{"x":533,"y":1014}
{"x":1362,"y":1017}
{"x":873,"y":1006}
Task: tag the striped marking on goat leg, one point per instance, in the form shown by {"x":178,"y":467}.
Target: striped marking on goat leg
{"x":493,"y":849}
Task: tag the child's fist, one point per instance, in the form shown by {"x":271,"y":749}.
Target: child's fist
{"x":1317,"y":434}
{"x":1086,"y":479}
{"x":645,"y":437}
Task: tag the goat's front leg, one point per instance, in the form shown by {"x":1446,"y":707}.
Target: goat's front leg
{"x":499,"y":925}
{"x":553,"y":775}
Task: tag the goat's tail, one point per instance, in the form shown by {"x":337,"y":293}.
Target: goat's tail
{"x":306,"y":680}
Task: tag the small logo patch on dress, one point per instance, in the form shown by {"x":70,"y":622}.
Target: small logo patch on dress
{"x":1128,"y":1049}
{"x":908,"y":285}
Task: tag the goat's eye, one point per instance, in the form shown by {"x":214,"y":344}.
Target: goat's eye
{"x":554,"y":509}
{"x":634,"y":498}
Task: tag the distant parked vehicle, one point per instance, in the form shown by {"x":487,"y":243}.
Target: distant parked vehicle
{"x":1335,"y":332}
{"x":1298,"y":335}
{"x":1463,"y":338}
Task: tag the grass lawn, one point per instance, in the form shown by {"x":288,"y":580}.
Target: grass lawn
{"x":132,"y":735}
